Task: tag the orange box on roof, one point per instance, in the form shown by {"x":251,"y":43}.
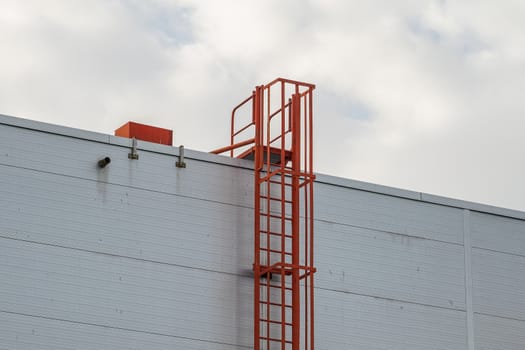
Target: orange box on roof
{"x":145,"y":133}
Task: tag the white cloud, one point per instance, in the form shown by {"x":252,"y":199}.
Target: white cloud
{"x":425,"y":95}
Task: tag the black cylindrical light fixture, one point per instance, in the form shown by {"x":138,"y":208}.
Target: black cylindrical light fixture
{"x":103,"y":162}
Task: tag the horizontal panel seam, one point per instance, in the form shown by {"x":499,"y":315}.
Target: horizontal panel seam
{"x":499,"y":251}
{"x":460,"y":205}
{"x":121,"y":328}
{"x":390,"y":299}
{"x":127,"y":186}
{"x":502,"y":317}
{"x":219,"y":202}
{"x":214,"y":271}
{"x":121,"y":256}
{"x":390,"y":232}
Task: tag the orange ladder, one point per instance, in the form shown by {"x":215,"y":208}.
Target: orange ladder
{"x":280,"y":120}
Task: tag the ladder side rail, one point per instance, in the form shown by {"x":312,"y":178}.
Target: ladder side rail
{"x":282,"y":152}
{"x":257,"y":223}
{"x":311,"y":213}
{"x":296,"y":165}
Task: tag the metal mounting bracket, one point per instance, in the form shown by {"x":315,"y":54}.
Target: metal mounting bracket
{"x":133,"y":154}
{"x":180,"y":163}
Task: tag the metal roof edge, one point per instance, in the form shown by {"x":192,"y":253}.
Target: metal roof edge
{"x":420,"y":196}
{"x":119,"y":141}
{"x":53,"y":128}
{"x":224,"y":160}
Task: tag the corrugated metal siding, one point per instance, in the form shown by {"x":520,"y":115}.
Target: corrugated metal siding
{"x":348,"y":321}
{"x":498,"y":271}
{"x":499,"y":284}
{"x":123,"y":293}
{"x":498,"y":233}
{"x":124,"y":221}
{"x":71,"y":157}
{"x":388,"y":213}
{"x":145,"y":255}
{"x":499,"y":333}
{"x":25,"y":332}
{"x":389,"y":265}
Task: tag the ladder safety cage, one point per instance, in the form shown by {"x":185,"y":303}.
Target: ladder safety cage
{"x":278,"y":137}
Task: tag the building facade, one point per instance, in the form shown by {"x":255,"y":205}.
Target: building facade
{"x":142,"y":254}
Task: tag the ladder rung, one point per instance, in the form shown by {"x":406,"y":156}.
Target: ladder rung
{"x":276,"y":199}
{"x":275,"y":304}
{"x":276,"y":340}
{"x":274,"y":286}
{"x":274,"y":251}
{"x":279,"y":183}
{"x":276,"y":216}
{"x":275,"y":322}
{"x":277,"y":286}
{"x":275,"y":233}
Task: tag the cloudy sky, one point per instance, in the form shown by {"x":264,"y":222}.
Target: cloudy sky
{"x":423,"y":95}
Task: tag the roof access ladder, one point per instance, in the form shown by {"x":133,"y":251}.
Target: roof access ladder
{"x":273,"y":127}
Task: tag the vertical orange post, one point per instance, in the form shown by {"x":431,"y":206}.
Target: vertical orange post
{"x":296,"y":170}
{"x":257,"y":119}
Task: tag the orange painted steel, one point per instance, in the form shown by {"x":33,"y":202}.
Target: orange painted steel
{"x":145,"y":133}
{"x":278,"y":136}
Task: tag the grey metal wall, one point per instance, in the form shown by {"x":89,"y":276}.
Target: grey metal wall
{"x":144,"y":255}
